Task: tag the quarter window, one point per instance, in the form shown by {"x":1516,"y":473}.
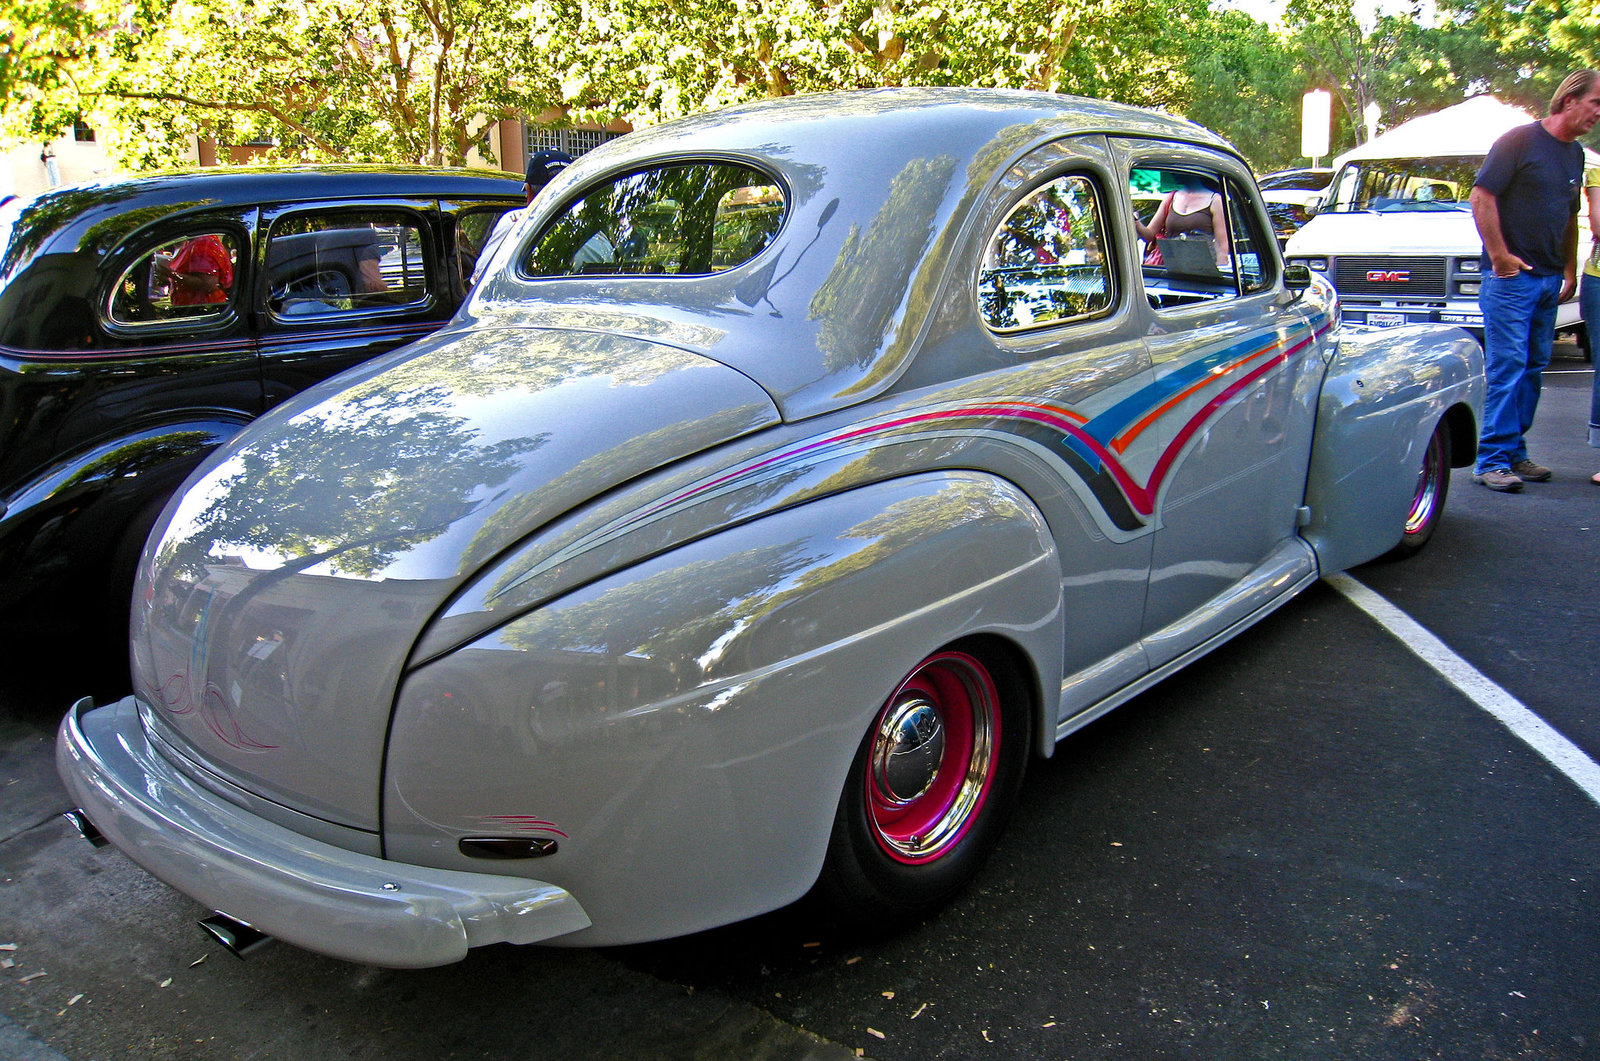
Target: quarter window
{"x":684,"y":220}
{"x":345,"y":261}
{"x":189,"y":279}
{"x":1046,"y":264}
{"x":472,"y":232}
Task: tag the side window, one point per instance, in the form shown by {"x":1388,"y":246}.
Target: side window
{"x":472,"y":231}
{"x":191,"y":279}
{"x":1183,"y":220}
{"x":1251,"y":256}
{"x":345,"y":261}
{"x":683,"y":220}
{"x":1045,"y":264}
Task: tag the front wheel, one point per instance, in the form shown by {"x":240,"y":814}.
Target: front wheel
{"x":930,"y":788}
{"x":1427,"y":504}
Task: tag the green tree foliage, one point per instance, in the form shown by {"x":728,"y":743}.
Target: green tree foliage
{"x":1521,"y":49}
{"x":1246,"y":85}
{"x":353,"y":80}
{"x":423,"y":80}
{"x":649,"y":60}
{"x":46,"y":47}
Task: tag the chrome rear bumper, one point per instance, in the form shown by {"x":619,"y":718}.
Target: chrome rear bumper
{"x":303,"y":891}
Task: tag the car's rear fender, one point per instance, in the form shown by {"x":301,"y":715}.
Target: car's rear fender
{"x":680,"y":729}
{"x":1385,"y":393}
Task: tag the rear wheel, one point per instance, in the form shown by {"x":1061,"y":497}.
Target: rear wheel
{"x":930,"y":789}
{"x":1427,"y":504}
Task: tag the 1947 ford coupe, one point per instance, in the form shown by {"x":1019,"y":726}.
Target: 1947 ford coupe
{"x":796,"y":475}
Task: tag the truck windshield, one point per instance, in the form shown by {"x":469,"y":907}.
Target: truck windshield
{"x":1404,"y":184}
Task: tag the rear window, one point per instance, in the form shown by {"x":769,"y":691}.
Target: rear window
{"x":691,"y":219}
{"x":189,"y":278}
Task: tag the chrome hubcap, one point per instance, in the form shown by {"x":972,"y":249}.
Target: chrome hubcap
{"x":906,"y":756}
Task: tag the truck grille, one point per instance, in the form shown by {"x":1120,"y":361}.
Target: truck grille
{"x":1390,"y":277}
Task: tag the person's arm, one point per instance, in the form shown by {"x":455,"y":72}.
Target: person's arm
{"x":1219,"y":231}
{"x":1486,"y":215}
{"x":1152,"y":232}
{"x":1569,"y":254}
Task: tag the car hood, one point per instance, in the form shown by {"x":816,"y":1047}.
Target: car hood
{"x":282,"y":594}
{"x":1388,"y":234}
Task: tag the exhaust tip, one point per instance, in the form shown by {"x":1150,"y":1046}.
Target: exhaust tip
{"x":80,"y":821}
{"x":236,"y":937}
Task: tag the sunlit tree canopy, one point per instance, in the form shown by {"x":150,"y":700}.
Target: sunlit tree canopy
{"x":425,"y":80}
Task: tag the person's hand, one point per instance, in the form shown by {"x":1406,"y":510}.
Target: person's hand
{"x":1508,"y":266}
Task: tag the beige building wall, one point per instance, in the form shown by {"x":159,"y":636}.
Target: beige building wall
{"x":33,"y":168}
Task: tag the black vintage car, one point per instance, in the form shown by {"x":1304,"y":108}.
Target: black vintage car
{"x":144,"y":321}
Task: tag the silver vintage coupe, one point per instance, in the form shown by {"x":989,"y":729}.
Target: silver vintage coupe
{"x":798,"y":473}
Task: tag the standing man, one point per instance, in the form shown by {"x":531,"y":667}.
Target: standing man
{"x":1525,"y":203}
{"x":542,"y":167}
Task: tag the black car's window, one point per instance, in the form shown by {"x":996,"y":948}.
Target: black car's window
{"x":472,"y":230}
{"x":1198,"y":245}
{"x":1300,"y":181}
{"x":1045,"y":264}
{"x":344,"y":261}
{"x":190,"y":279}
{"x":683,"y":220}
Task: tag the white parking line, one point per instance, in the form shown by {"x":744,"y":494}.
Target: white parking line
{"x":1529,"y":727}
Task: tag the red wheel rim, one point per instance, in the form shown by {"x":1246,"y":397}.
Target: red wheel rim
{"x":932,"y":759}
{"x":1426,"y":501}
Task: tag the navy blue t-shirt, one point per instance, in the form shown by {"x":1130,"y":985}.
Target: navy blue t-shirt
{"x":1537,"y":181}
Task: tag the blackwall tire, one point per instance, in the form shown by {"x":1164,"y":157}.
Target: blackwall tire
{"x":930,"y":790}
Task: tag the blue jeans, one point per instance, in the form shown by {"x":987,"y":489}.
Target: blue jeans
{"x":1519,"y":329}
{"x":1589,"y":303}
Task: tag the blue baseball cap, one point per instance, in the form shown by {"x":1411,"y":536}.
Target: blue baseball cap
{"x":545,"y":164}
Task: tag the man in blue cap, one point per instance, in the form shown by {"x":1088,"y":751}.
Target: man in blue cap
{"x":543,"y":165}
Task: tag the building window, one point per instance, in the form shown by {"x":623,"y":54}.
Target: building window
{"x":573,"y":141}
{"x":81,"y":132}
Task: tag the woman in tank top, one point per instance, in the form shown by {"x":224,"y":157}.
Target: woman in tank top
{"x":1193,"y":211}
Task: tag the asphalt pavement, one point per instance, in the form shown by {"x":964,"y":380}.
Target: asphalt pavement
{"x":1308,"y":845}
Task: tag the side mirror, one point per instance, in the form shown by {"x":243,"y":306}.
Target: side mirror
{"x":1313,"y":206}
{"x":1297,"y":278}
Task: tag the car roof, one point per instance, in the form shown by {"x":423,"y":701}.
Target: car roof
{"x":880,"y":187}
{"x":61,"y":218}
{"x":1305,"y":179}
{"x":790,"y":128}
{"x":240,"y":184}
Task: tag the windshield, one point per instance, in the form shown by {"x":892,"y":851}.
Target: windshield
{"x":1388,"y":185}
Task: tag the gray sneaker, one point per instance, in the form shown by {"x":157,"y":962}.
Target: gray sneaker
{"x":1502,"y":479}
{"x":1530,"y":472}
